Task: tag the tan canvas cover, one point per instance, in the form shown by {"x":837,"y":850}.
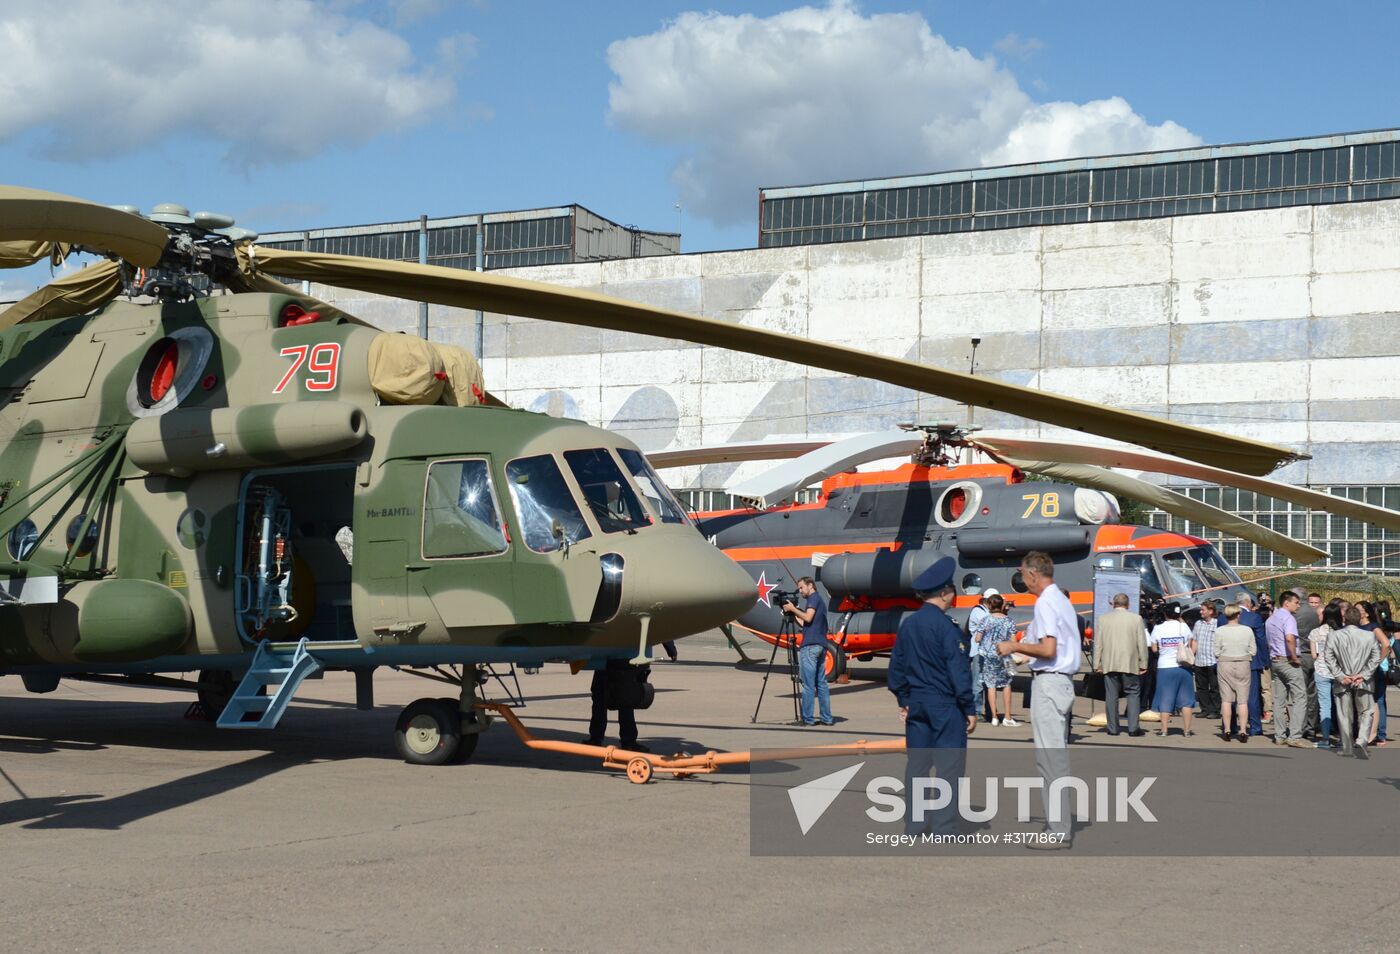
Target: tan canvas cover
{"x":514,"y":296}
{"x":404,"y":369}
{"x":74,"y":294}
{"x":1174,"y":503}
{"x":19,"y":254}
{"x":35,"y":215}
{"x":464,"y":386}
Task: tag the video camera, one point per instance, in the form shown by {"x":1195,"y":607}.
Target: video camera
{"x":779,"y":597}
{"x":1152,"y":610}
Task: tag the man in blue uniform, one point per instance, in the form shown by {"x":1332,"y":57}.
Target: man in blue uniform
{"x":932,"y":682}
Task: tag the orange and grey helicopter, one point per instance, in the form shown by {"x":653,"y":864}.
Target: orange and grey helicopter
{"x":204,"y":470}
{"x":869,"y":534}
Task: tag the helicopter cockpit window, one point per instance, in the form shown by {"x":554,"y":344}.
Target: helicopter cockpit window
{"x":606,"y":491}
{"x":1217,"y":572}
{"x":543,"y":504}
{"x":650,"y":484}
{"x":23,"y":539}
{"x":1182,"y":577}
{"x":1142,"y":562}
{"x":460,"y":517}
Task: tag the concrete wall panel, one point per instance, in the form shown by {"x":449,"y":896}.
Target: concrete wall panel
{"x":984,"y":314}
{"x":1103,"y":308}
{"x":1107,"y":266}
{"x":1242,"y":299}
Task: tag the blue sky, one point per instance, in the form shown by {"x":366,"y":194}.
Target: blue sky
{"x":306,"y":113}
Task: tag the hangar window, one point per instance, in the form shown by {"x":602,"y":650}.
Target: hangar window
{"x":549,"y":517}
{"x":460,"y":516}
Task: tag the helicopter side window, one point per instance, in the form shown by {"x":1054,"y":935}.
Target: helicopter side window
{"x":23,"y":539}
{"x":460,"y":517}
{"x":650,"y":484}
{"x":606,"y":491}
{"x":1142,"y":562}
{"x":543,"y":504}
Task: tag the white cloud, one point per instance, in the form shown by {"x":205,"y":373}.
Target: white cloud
{"x":1017,"y":46}
{"x":1099,"y":128}
{"x":816,"y":94}
{"x":273,"y":80}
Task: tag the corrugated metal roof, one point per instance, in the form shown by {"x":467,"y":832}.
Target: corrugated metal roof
{"x":1091,"y":162}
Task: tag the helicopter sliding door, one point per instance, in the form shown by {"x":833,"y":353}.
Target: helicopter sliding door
{"x":295,"y":547}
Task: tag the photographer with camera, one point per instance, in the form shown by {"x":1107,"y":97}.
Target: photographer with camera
{"x":811,"y":658}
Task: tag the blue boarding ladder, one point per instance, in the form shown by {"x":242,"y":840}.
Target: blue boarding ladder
{"x":278,"y":668}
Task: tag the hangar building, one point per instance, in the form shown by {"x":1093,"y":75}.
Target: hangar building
{"x":1248,"y":288}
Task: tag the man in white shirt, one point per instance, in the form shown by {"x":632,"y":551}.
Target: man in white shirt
{"x":1053,"y":643}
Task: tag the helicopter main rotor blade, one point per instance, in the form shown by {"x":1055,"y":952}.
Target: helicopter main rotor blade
{"x":1156,"y":464}
{"x":72,"y":294}
{"x":1172,"y":502}
{"x":732,"y":453}
{"x":781,"y":482}
{"x":35,"y":215}
{"x":513,"y":296}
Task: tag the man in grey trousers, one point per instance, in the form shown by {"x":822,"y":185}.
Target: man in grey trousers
{"x":1290,"y":688}
{"x":1120,"y":653}
{"x":1353,"y":655}
{"x":1052,"y":642}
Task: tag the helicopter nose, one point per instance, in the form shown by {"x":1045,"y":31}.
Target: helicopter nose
{"x":702,"y":589}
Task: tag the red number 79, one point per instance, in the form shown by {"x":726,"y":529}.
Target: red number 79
{"x":321,"y":369}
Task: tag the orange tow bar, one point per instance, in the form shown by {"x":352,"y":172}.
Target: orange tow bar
{"x":639,"y":766}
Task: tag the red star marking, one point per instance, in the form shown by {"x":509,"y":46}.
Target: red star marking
{"x":764,"y":588}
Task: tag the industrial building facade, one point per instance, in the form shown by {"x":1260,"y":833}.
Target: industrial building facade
{"x":1269,"y":312}
{"x":554,"y":236}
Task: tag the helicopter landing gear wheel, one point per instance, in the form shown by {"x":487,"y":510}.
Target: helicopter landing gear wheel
{"x":468,"y":745}
{"x":834,"y":659}
{"x":639,"y":771}
{"x":429,"y":732}
{"x":214,"y":688}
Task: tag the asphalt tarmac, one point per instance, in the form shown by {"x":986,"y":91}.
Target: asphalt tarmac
{"x":126,"y":827}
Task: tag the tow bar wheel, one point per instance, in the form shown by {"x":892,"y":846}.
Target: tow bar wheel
{"x":429,"y":732}
{"x":639,"y":771}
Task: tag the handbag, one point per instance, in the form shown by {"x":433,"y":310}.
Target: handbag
{"x":1185,"y":655}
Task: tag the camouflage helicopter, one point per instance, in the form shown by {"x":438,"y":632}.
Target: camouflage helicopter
{"x":203,"y":470}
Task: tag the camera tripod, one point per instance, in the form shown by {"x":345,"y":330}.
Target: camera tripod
{"x":789,"y":630}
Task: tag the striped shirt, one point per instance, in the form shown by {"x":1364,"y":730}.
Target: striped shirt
{"x":1204,"y":633}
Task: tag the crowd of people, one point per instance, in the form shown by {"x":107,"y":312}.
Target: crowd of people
{"x":1317,"y":671}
